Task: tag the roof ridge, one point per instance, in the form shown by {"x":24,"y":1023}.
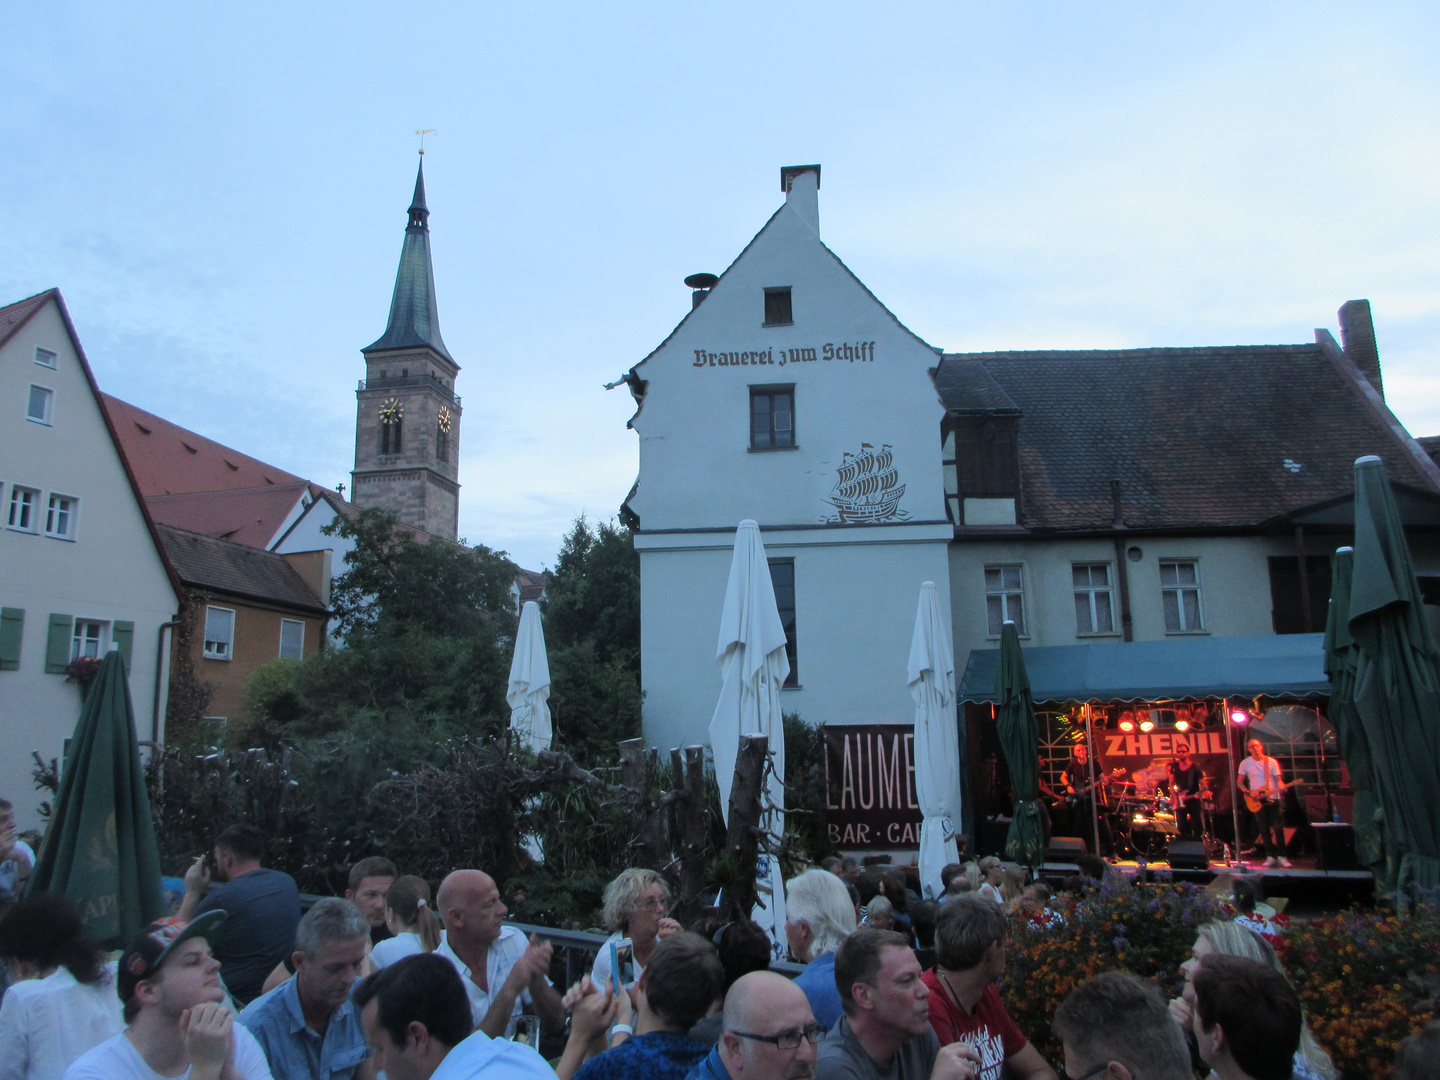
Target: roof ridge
{"x":1138,"y":352}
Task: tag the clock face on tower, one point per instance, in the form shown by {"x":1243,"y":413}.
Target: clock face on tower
{"x":444,"y":418}
{"x":391,"y":411}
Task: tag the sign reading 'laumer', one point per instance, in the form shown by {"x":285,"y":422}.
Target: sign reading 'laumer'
{"x":853,"y":351}
{"x":870,"y":786}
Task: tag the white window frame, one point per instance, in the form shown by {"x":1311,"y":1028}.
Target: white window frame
{"x":227,"y":650}
{"x":72,"y":516}
{"x":292,"y":622}
{"x":78,"y":638}
{"x":45,"y":357}
{"x":1094,"y":595}
{"x":1178,"y":589}
{"x":1011,"y":600}
{"x":14,"y":504}
{"x":49,"y":410}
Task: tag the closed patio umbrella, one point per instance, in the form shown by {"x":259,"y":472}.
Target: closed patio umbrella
{"x":100,"y":847}
{"x":1020,"y":738}
{"x":751,"y":655}
{"x":931,"y":676}
{"x":1397,"y":681}
{"x":1340,"y":666}
{"x":529,"y":691}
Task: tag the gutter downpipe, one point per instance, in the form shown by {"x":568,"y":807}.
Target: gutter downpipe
{"x":160,"y":665}
{"x":1122,"y":575}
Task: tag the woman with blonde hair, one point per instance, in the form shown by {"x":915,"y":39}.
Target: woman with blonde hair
{"x":1232,"y":939}
{"x":1012,"y":886}
{"x":411,"y":918}
{"x":992,"y":872}
{"x":635,"y":906}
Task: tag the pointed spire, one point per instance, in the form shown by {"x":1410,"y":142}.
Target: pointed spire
{"x":414,"y":317}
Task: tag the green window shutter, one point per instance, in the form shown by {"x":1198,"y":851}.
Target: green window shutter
{"x":57,"y":646}
{"x":12,"y":624}
{"x":122,"y":635}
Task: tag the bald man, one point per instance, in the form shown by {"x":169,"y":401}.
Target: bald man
{"x":770,"y":1032}
{"x":502,"y":973}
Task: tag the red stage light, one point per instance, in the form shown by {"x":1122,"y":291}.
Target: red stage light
{"x":1127,"y":725}
{"x":1147,"y":725}
{"x":1240,"y":717}
{"x":1182,"y":725}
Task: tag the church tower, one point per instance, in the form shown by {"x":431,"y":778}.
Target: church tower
{"x":407,"y":426}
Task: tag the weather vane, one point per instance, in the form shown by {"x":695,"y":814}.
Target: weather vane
{"x":422,"y":132}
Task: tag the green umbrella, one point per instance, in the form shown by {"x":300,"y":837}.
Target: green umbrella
{"x":1340,"y":666}
{"x":1020,"y":739}
{"x":100,"y":847}
{"x":1397,"y":681}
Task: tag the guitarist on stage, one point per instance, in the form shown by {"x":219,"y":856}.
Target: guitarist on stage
{"x":1078,"y":793}
{"x":1260,"y":781}
{"x":1185,"y":778}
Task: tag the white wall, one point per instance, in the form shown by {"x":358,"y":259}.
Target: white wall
{"x":110,"y":572}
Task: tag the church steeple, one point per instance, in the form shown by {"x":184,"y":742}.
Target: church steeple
{"x":414,"y":317}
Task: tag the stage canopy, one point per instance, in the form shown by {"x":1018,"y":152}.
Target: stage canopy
{"x":1277,"y":665}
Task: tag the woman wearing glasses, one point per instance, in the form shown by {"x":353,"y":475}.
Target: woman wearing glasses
{"x":635,"y":906}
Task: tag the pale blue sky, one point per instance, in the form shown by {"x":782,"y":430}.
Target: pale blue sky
{"x":220,"y":194}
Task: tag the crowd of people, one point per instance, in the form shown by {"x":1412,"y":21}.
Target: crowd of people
{"x":390,"y":980}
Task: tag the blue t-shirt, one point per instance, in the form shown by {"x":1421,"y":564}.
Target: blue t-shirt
{"x":660,"y":1055}
{"x":818,"y":982}
{"x":262,"y":910}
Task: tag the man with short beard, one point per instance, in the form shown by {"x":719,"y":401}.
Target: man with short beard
{"x":368,"y":882}
{"x":179,"y":1022}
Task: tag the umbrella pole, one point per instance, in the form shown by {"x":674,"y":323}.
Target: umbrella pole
{"x":1090,"y":759}
{"x":1234,"y":787}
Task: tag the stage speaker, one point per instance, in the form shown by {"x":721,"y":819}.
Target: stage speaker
{"x":1335,"y":846}
{"x":1188,"y":855}
{"x":1065,"y":849}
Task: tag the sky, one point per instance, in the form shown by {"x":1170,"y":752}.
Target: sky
{"x":219,"y":191}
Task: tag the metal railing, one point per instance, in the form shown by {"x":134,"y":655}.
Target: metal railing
{"x":396,"y":382}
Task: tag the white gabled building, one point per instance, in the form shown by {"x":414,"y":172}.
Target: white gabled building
{"x":790,"y":395}
{"x":80,"y":565}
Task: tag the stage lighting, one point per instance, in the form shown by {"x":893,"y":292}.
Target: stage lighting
{"x":1182,"y":725}
{"x":1239,"y":717}
{"x":1127,"y":725}
{"x":1147,"y":725}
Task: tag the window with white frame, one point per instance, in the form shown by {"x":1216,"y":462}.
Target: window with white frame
{"x":24,"y":508}
{"x":1094,"y":606}
{"x":219,"y":633}
{"x":1004,"y":599}
{"x":45,"y":358}
{"x":42,"y":401}
{"x":1180,"y":595}
{"x":292,"y":639}
{"x":61,"y":516}
{"x":88,"y":639}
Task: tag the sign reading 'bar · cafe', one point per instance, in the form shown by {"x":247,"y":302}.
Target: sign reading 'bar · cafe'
{"x":870,"y":786}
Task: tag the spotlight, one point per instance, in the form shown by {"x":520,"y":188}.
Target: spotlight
{"x":1147,"y":725}
{"x":1239,"y":717}
{"x":1127,"y":725}
{"x":1182,"y":725}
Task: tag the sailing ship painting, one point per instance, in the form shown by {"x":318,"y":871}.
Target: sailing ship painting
{"x":867,"y":487}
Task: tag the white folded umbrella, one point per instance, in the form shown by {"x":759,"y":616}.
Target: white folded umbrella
{"x":937,"y":742}
{"x":529,"y":689}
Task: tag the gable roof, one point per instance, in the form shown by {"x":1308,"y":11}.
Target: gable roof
{"x":1197,"y":437}
{"x":169,"y":459}
{"x":206,"y":562}
{"x":414,"y":316}
{"x":12,"y":318}
{"x":250,"y":516}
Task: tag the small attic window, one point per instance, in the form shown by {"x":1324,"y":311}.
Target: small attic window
{"x":45,"y":358}
{"x":143,"y":429}
{"x":189,"y":447}
{"x":777,"y":307}
{"x":232,"y":468}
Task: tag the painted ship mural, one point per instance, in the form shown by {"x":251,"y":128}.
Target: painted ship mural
{"x":867,"y":487}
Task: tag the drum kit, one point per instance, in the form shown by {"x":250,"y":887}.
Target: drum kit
{"x":1144,"y":822}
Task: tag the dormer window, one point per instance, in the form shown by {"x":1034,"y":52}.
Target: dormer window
{"x":777,"y":307}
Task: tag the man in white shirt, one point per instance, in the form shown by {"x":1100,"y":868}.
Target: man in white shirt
{"x":502,"y":973}
{"x":417,"y":1021}
{"x":180,"y":1022}
{"x":16,"y":857}
{"x":1260,"y":780}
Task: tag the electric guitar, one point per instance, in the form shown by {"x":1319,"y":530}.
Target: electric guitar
{"x":1072,"y":798}
{"x":1254,"y":800}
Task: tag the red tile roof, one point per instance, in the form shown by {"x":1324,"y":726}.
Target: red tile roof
{"x":13,"y":316}
{"x":247,"y":516}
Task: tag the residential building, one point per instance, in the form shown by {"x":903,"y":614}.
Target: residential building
{"x":81,"y":567}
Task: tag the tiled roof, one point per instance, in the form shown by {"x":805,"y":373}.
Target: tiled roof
{"x":532,"y":585}
{"x":250,"y":516}
{"x":1198,"y":437}
{"x":13,"y":316}
{"x":168,"y":459}
{"x":206,"y":562}
{"x":1431,"y":445}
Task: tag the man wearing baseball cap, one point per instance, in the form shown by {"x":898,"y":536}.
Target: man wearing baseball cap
{"x":180,"y":1024}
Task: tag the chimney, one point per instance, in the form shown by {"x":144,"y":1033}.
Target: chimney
{"x":700,"y":284}
{"x":801,"y":184}
{"x":1357,"y":338}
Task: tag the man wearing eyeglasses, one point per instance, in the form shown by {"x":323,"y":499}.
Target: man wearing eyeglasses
{"x":1116,"y":1027}
{"x":885,"y":1033}
{"x":769,"y":1033}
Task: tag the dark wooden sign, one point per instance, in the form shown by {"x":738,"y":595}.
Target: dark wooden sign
{"x":870,"y":799}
